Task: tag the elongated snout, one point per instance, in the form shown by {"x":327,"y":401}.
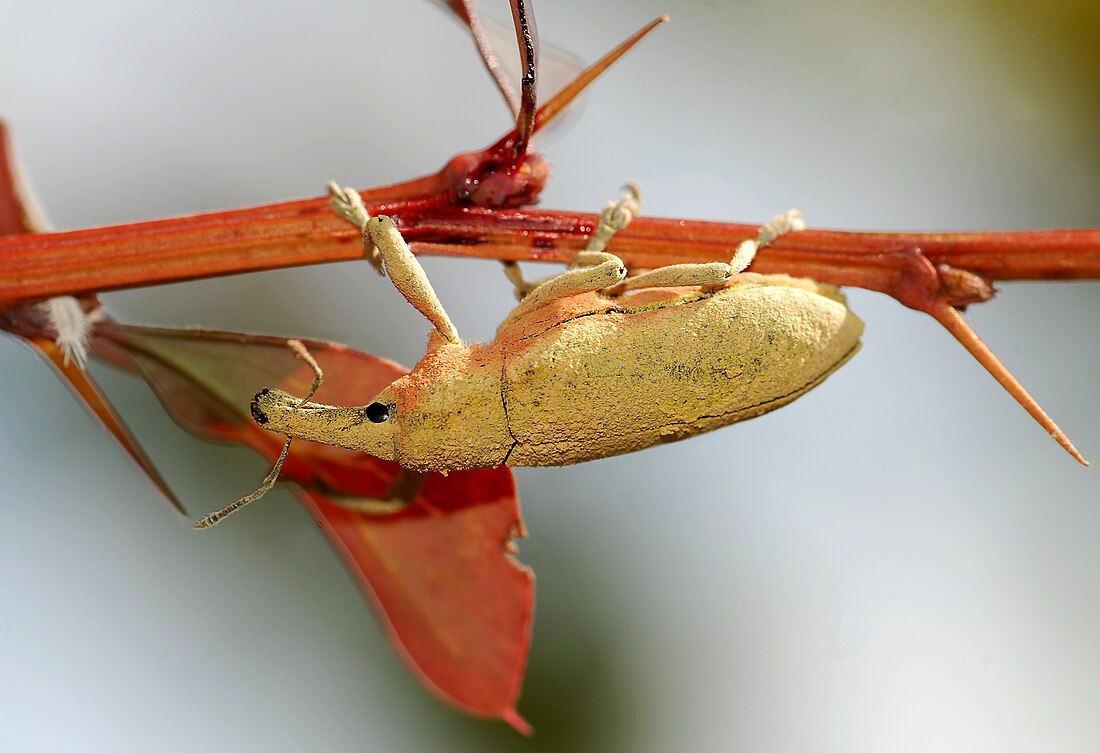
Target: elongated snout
{"x":348,"y":427}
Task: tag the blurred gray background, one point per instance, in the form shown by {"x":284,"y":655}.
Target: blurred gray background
{"x":899,"y":561}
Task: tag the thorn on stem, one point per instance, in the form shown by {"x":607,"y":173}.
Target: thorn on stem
{"x":950,"y":318}
{"x":561,"y":100}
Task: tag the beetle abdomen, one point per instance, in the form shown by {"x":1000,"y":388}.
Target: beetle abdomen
{"x":646,"y":371}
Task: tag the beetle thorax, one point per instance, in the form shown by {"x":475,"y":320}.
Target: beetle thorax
{"x":449,"y":411}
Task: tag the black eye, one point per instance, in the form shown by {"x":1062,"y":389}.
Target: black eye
{"x":378,"y":412}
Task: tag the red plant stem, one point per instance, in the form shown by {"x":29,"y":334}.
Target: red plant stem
{"x":295,"y":233}
{"x":543,"y":235}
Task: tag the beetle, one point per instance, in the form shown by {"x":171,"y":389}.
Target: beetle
{"x":590,"y":364}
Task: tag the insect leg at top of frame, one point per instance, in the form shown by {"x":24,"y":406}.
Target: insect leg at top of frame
{"x":390,"y":255}
{"x":591,"y":269}
{"x":717,"y":273}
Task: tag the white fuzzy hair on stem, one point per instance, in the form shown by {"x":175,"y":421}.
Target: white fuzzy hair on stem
{"x":72,"y":327}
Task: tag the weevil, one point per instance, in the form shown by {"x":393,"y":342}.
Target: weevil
{"x":590,"y":364}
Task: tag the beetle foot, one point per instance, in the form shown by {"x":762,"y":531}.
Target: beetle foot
{"x":779,"y":226}
{"x":614,"y":217}
{"x":347,"y":203}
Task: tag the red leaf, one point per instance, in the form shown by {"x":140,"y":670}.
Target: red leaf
{"x":458,"y":608}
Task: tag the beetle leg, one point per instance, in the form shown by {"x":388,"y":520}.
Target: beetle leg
{"x":523,"y":287}
{"x":780,"y":225}
{"x":369,"y":505}
{"x":615,"y":216}
{"x":609,"y":270}
{"x":592,"y":269}
{"x":387,"y":250}
{"x":714,"y":274}
{"x":347,"y":203}
{"x":401,"y":493}
{"x":515,"y":276}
